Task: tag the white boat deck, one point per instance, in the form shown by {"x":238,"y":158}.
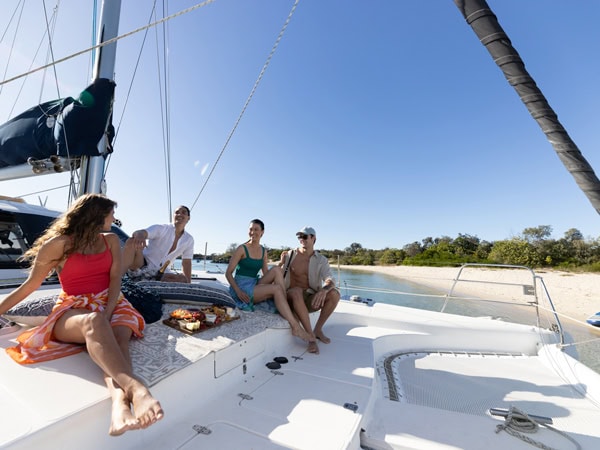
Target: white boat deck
{"x":228,"y":399}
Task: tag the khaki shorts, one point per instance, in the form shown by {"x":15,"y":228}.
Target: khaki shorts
{"x":308,"y":298}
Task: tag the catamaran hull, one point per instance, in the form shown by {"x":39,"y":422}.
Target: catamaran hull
{"x":361,"y":387}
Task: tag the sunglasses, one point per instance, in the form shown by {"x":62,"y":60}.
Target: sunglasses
{"x":302,"y":236}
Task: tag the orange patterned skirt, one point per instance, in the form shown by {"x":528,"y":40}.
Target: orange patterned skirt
{"x":36,"y":345}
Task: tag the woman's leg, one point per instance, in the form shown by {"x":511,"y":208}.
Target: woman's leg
{"x":273,"y":276}
{"x":94,"y":330}
{"x":274,"y":291}
{"x":122,"y":418}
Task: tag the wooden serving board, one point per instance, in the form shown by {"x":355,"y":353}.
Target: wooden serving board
{"x":174,"y":323}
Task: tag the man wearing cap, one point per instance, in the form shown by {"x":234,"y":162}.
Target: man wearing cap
{"x":310,"y":285}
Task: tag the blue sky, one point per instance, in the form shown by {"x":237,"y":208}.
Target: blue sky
{"x":380,"y":122}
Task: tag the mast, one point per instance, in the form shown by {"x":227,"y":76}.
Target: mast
{"x":92,"y":168}
{"x":485,"y":25}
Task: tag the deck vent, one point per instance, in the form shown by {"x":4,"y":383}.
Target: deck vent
{"x":200,"y":429}
{"x":351,"y":406}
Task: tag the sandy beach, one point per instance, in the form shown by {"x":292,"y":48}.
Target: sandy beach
{"x":576,"y":295}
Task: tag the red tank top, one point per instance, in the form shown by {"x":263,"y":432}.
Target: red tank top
{"x":86,"y":274}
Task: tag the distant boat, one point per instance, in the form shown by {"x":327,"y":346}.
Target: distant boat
{"x":594,"y":320}
{"x":358,"y":299}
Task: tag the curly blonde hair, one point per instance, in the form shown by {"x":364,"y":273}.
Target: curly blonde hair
{"x":82,"y":222}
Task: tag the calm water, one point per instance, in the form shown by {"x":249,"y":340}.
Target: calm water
{"x":387,"y":289}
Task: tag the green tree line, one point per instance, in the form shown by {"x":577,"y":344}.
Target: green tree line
{"x":533,"y":247}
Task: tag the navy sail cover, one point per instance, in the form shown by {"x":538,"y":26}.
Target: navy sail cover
{"x":68,"y":127}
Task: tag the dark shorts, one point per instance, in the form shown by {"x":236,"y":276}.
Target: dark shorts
{"x":308,"y":298}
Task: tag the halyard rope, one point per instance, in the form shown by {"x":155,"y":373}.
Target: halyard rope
{"x":256,"y":83}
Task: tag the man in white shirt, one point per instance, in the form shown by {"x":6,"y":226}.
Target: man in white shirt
{"x":164,"y":244}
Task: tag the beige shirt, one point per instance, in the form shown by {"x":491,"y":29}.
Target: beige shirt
{"x":319,"y":270}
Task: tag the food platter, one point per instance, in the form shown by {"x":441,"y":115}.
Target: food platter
{"x":193,"y":320}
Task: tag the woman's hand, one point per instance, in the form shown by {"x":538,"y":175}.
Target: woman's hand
{"x":242,"y":295}
{"x":108,"y":312}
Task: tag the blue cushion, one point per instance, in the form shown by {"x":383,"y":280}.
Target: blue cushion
{"x":32,"y":311}
{"x":204,"y":292}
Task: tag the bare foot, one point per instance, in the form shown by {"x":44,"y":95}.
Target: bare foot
{"x":324,"y":339}
{"x":299,"y":332}
{"x":313,"y":347}
{"x":122,"y":420}
{"x":147,"y":409}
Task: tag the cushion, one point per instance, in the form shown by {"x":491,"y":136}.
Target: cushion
{"x":145,"y":300}
{"x":32,"y":311}
{"x":211,"y":292}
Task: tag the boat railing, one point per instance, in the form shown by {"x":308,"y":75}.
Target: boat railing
{"x":507,"y":300}
{"x":528,"y":289}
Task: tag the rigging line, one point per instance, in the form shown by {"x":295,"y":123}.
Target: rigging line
{"x":110,"y":41}
{"x":93,"y":37}
{"x":564,"y":316}
{"x":50,"y":54}
{"x":135,"y":69}
{"x":133,"y":77}
{"x":25,"y":79}
{"x":256,"y":83}
{"x":167,"y":129}
{"x":162,"y":100}
{"x":11,"y":19}
{"x":12,"y":45}
{"x":137,"y":65}
{"x":576,"y":343}
{"x":44,"y":190}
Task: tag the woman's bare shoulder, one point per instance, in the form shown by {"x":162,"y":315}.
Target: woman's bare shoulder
{"x":112,"y":238}
{"x":54,"y":247}
{"x":57,"y":241}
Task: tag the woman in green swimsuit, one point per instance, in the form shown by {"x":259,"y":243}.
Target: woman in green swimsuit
{"x":247,"y":288}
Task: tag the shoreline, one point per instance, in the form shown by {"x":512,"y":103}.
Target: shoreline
{"x":576,"y":295}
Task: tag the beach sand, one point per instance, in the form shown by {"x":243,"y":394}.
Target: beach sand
{"x":575,"y":295}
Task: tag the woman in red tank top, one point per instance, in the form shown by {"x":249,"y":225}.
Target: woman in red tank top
{"x":91,"y":312}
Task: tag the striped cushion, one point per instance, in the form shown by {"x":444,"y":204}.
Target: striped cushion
{"x":212,"y":292}
{"x":32,"y":311}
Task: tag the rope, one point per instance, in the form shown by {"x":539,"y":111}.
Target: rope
{"x":166,"y":112}
{"x":25,"y":79}
{"x":109,"y":41}
{"x":256,"y":83}
{"x":50,"y":54}
{"x":13,"y":41}
{"x":10,"y":21}
{"x":572,"y":319}
{"x":135,"y":70}
{"x":518,"y":422}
